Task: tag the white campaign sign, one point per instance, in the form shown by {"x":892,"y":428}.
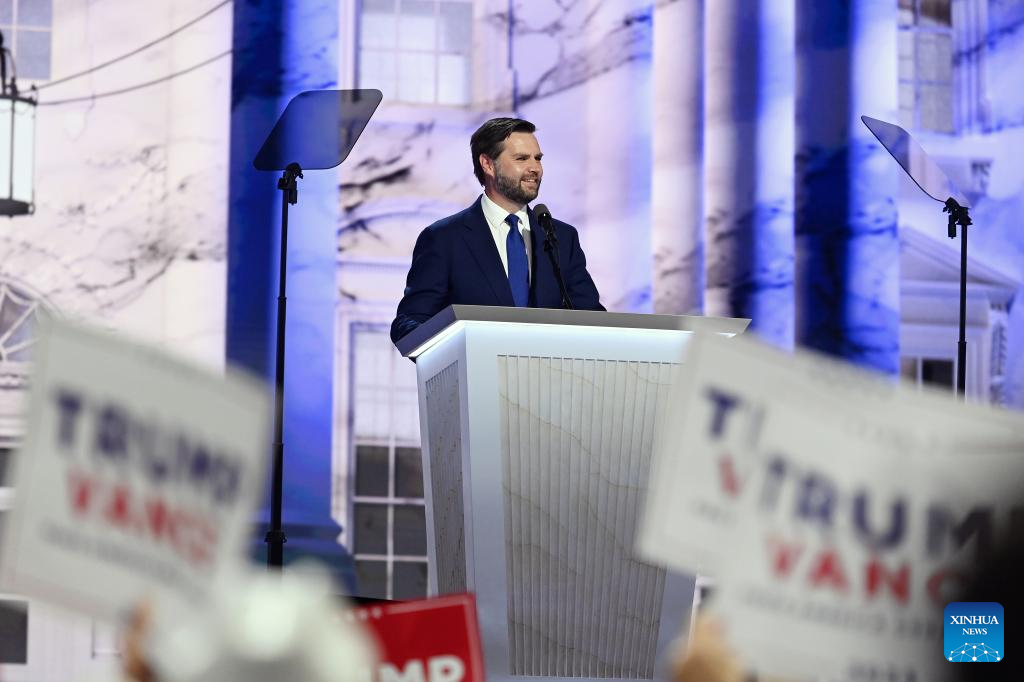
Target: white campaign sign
{"x":837,"y":510}
{"x":845,"y":551}
{"x":728,"y":390}
{"x":138,"y":477}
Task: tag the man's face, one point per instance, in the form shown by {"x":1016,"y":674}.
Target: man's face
{"x":517,"y":170}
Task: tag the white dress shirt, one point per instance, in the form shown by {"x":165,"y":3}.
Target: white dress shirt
{"x":495,"y":216}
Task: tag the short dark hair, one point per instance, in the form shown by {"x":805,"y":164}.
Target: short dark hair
{"x":489,"y":139}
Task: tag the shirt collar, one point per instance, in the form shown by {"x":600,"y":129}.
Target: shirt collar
{"x":496,"y":215}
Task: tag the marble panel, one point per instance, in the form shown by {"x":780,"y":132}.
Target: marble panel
{"x":130,"y":188}
{"x":446,"y":474}
{"x":410,"y":168}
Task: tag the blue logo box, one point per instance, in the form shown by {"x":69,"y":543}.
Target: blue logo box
{"x":973,"y":632}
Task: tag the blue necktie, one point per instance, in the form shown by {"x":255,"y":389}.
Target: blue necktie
{"x":518,"y":269}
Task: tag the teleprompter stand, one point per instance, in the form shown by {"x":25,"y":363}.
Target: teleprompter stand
{"x":317,"y":131}
{"x":927,"y":175}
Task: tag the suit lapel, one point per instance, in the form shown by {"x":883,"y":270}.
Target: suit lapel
{"x":485,"y":252}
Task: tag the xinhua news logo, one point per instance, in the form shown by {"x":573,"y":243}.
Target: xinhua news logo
{"x":973,"y":632}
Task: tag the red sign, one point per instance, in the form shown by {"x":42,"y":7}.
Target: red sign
{"x":431,"y":640}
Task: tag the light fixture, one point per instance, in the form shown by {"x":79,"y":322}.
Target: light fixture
{"x":17,"y":143}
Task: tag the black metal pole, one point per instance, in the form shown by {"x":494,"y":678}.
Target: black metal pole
{"x":3,"y":66}
{"x":275,"y":537}
{"x":959,"y":216}
{"x":961,"y":346}
{"x":552,"y":249}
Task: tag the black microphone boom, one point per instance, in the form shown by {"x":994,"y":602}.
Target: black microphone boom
{"x":551,"y":246}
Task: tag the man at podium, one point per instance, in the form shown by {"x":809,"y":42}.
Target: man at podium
{"x":492,"y":253}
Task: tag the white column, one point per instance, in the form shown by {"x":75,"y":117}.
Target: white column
{"x":847,"y":228}
{"x":970,"y":43}
{"x":618,"y":156}
{"x":748,"y":154}
{"x":677,"y":180}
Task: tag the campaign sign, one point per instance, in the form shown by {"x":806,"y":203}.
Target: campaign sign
{"x":726,"y":392}
{"x":138,"y":476}
{"x":430,"y":640}
{"x":844,"y":551}
{"x":973,"y":632}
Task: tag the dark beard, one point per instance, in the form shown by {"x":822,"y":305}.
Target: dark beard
{"x":512,"y":190}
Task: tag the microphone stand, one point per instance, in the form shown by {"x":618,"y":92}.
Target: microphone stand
{"x":551,"y":246}
{"x":958,"y":216}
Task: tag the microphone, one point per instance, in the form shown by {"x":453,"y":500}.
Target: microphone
{"x":544,"y":218}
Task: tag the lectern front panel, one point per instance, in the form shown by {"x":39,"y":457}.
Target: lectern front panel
{"x":576,"y":449}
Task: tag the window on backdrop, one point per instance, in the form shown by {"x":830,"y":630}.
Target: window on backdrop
{"x":938,"y":372}
{"x":5,"y":464}
{"x":27,"y":27}
{"x":13,"y":631}
{"x":19,"y":316}
{"x":926,"y":65}
{"x":388,"y":522}
{"x":13,"y":610}
{"x":417,"y":51}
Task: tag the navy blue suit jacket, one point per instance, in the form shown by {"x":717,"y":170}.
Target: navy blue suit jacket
{"x":456,"y":261}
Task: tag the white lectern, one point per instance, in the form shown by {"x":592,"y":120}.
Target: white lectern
{"x":537,"y":428}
